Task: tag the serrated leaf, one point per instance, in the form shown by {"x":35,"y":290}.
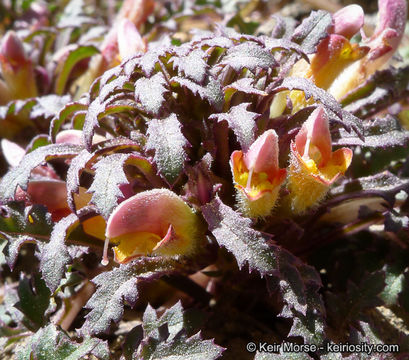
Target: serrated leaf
{"x":312,"y":30}
{"x":211,"y":91}
{"x":13,"y":246}
{"x":173,"y":317}
{"x":118,"y":286}
{"x":378,"y":133}
{"x":20,"y":175}
{"x":102,"y":106}
{"x":234,"y":232}
{"x":109,"y":175}
{"x":38,"y":141}
{"x":248,"y":55}
{"x":73,"y":175}
{"x":168,"y":141}
{"x":346,"y":119}
{"x":242,"y":122}
{"x":244,"y":85}
{"x":63,"y":114}
{"x":284,"y":355}
{"x":150,"y":92}
{"x":34,"y":299}
{"x":191,"y":65}
{"x":52,"y":343}
{"x":55,"y":255}
{"x":48,"y":105}
{"x":181,"y":348}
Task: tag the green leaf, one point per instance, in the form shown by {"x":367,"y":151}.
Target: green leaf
{"x":109,"y":175}
{"x":248,"y":55}
{"x":168,"y":141}
{"x":192,"y":65}
{"x":182,"y":348}
{"x":52,"y":343}
{"x":20,"y":175}
{"x":118,"y":286}
{"x":34,"y":300}
{"x":234,"y":232}
{"x":151,"y":93}
{"x":312,"y":30}
{"x":394,"y":279}
{"x":242,"y":122}
{"x":55,"y":255}
{"x":64,"y":69}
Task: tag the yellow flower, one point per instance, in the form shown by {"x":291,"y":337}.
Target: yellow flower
{"x":313,"y":165}
{"x":154,"y":222}
{"x":257,"y":176}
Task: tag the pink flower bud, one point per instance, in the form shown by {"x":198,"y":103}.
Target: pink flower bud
{"x":12,"y":52}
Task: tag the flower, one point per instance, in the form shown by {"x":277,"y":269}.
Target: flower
{"x":313,"y":165}
{"x":257,"y":176}
{"x":340,"y":66}
{"x":17,"y":70}
{"x":153,"y":222}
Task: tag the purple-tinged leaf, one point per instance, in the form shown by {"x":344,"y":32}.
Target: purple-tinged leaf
{"x":148,"y":61}
{"x":234,"y":232}
{"x":77,"y":165}
{"x":13,"y":246}
{"x":20,"y":175}
{"x":383,"y":133}
{"x":168,"y":141}
{"x":381,"y":90}
{"x":283,"y":28}
{"x":64,"y":113}
{"x":248,"y":55}
{"x":180,"y":348}
{"x":312,"y":30}
{"x":191,"y":65}
{"x":173,"y":317}
{"x":55,"y":255}
{"x":109,"y":176}
{"x":47,"y":106}
{"x":211,"y":92}
{"x":151,"y":93}
{"x":102,"y":107}
{"x":218,"y":41}
{"x":385,"y":185}
{"x":281,"y":44}
{"x":118,"y":286}
{"x":244,"y":85}
{"x":52,"y":343}
{"x":332,"y":107}
{"x":38,"y":141}
{"x":242,"y":122}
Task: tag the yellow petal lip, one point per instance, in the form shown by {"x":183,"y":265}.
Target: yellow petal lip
{"x":334,"y":168}
{"x":154,"y":222}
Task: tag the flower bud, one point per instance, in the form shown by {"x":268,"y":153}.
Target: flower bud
{"x":257,"y":176}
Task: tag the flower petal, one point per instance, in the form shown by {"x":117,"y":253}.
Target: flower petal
{"x":348,"y":21}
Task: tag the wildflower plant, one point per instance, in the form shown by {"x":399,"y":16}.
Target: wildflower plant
{"x":182,"y":179}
